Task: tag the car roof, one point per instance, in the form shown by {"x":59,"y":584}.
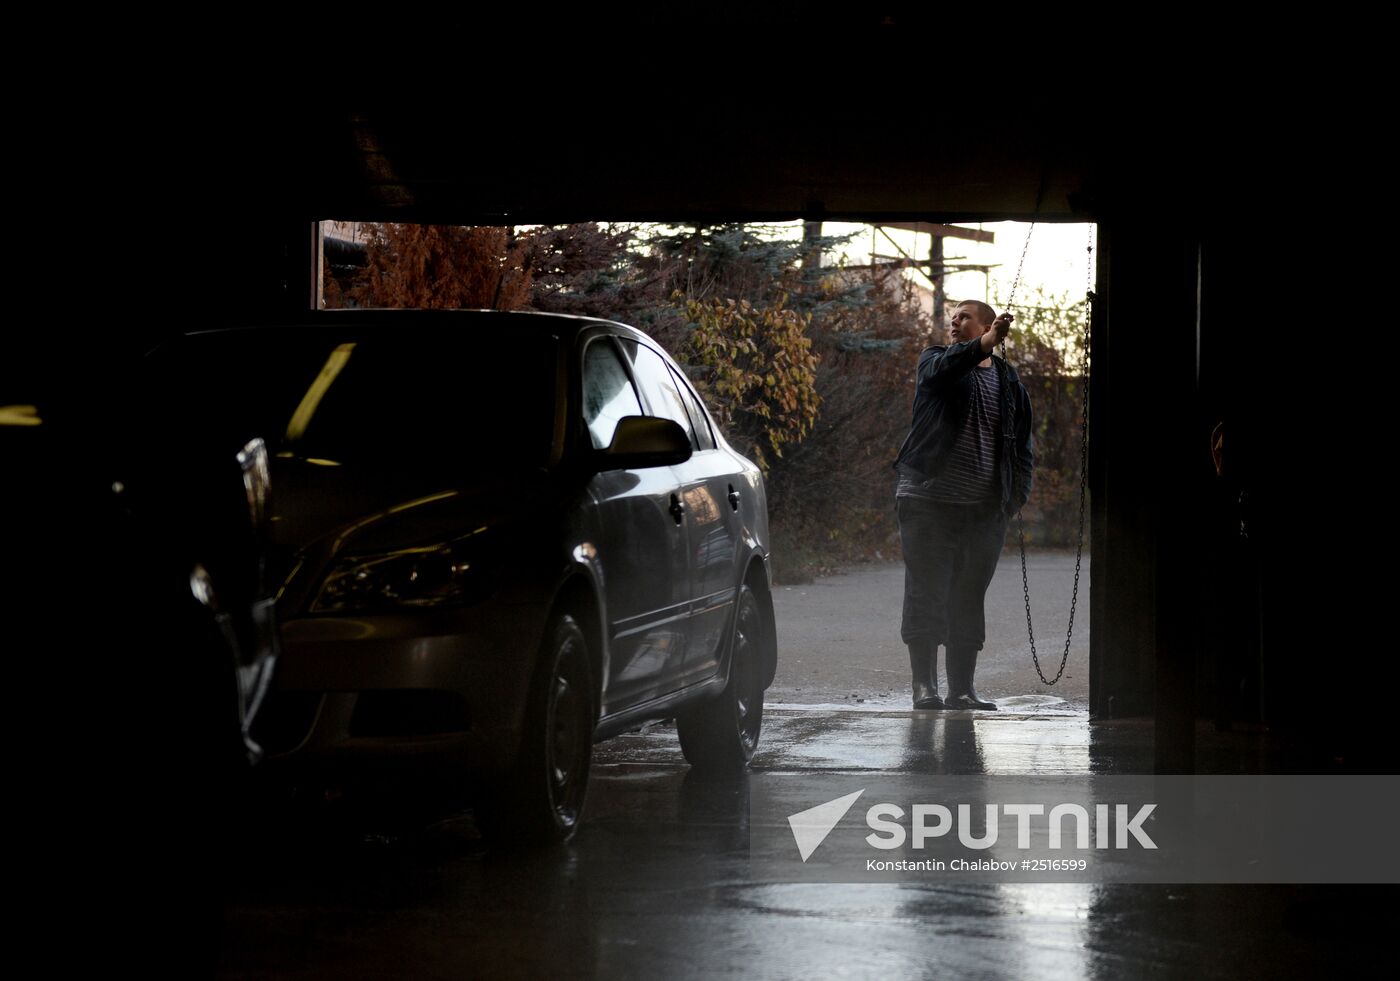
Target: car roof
{"x":372,"y":322}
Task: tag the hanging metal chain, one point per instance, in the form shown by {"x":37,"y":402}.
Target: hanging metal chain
{"x":1083,"y":466}
{"x":1016,"y":280}
{"x":1015,"y":283}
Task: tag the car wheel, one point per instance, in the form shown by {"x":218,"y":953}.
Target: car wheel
{"x":540,"y":800}
{"x":723,"y":733}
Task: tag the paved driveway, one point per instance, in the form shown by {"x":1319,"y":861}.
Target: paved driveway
{"x":838,"y":637}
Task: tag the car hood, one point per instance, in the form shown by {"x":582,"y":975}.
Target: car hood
{"x":324,"y":514}
{"x":345,"y":509}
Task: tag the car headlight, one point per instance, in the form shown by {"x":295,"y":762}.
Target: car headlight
{"x":408,"y":578}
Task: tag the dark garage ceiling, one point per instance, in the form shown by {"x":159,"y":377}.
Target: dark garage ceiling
{"x":675,"y":112}
{"x":387,"y":161}
{"x":782,"y":113}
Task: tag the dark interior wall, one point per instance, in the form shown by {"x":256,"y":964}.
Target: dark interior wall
{"x":1298,"y":611}
{"x":1124,"y":535}
{"x":1149,"y":468}
{"x":1254,"y":597}
{"x":1232,"y":668}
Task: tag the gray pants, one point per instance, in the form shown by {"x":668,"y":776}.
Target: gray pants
{"x":950,"y":555}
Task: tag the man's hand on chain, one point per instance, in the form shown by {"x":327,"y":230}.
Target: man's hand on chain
{"x":1000,"y":328}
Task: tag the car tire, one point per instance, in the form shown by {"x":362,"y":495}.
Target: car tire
{"x":722,"y":733}
{"x":540,"y":799}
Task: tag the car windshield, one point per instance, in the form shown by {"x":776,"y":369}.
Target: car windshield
{"x":430,"y":400}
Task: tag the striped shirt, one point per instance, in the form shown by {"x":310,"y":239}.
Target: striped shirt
{"x":969,"y":474}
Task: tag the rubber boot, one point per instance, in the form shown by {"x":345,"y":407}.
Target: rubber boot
{"x":923,"y":666}
{"x":962,"y":666}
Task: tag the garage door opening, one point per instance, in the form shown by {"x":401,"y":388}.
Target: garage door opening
{"x":803,"y":337}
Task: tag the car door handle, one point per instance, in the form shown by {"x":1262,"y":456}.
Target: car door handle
{"x":734,"y":498}
{"x":677,"y":509}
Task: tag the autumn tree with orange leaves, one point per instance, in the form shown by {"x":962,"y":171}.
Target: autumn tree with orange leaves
{"x":443,"y":267}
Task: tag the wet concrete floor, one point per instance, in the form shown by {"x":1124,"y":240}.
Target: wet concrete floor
{"x":658,"y":883}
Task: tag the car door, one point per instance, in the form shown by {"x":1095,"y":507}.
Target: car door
{"x":704,"y":487}
{"x":641,"y":548}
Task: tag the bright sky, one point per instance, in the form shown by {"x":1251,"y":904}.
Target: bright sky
{"x":1057,"y":261}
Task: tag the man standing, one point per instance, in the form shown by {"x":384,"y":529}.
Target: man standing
{"x":964,"y":469}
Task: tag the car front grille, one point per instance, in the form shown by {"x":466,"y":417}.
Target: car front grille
{"x":285,"y":720}
{"x":401,"y":713}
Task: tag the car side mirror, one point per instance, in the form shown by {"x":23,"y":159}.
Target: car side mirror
{"x":645,"y":441}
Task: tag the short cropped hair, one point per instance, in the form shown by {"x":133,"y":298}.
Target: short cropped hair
{"x":985,"y":314}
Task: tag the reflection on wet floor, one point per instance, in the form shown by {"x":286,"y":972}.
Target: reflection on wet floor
{"x":658,"y":883}
{"x":816,"y":737}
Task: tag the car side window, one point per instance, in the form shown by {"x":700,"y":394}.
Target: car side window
{"x":658,"y":388}
{"x":607,"y":392}
{"x":703,"y":436}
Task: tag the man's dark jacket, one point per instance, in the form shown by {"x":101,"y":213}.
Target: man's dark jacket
{"x":942,"y":397}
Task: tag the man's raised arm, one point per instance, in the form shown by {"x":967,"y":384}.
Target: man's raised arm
{"x":938,"y":365}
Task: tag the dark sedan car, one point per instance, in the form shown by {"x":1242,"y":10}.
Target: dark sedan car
{"x":504,"y":537}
